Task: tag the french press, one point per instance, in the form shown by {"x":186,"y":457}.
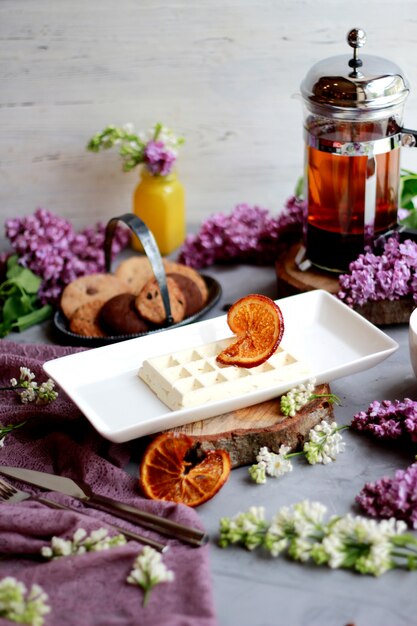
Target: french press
{"x":353,"y":112}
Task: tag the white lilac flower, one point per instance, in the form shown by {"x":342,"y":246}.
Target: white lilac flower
{"x":300,"y":549}
{"x":46,"y":392}
{"x":29,"y":394}
{"x":148,"y":571}
{"x":366,"y":543}
{"x":324,"y":444}
{"x":26,"y":374}
{"x":270,"y":464}
{"x":308,"y":517}
{"x":292,"y":527}
{"x":246,"y":528}
{"x":17,"y":604}
{"x":366,"y":546}
{"x":81,"y":543}
{"x":297,"y":397}
{"x":258,"y":473}
{"x":129,"y":128}
{"x":31,"y":391}
{"x":276,"y":465}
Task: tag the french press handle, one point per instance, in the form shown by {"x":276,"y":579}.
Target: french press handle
{"x":408,"y":137}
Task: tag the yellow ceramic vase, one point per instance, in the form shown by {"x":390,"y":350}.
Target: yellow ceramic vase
{"x":159,"y":201}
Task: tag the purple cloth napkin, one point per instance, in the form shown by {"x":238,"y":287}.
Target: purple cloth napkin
{"x":90,"y":589}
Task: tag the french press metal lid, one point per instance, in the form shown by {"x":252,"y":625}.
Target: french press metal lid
{"x":361,"y":87}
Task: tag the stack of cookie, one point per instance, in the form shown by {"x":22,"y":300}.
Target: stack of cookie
{"x":129,"y":301}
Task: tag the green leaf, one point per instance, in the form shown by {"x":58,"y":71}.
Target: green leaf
{"x":410,"y":221}
{"x":13,"y":308}
{"x":13,"y":270}
{"x":12,"y":261}
{"x":28,"y":281}
{"x":408,"y":191}
{"x":22,"y":276}
{"x":299,"y":188}
{"x":5,"y":328}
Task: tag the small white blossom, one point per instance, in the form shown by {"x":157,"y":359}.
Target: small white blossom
{"x":148,"y":571}
{"x":258,"y":473}
{"x":278,"y":465}
{"x":129,"y":128}
{"x":81,"y":543}
{"x":46,"y":392}
{"x":270,"y":464}
{"x":297,"y":397}
{"x":371,"y":541}
{"x":17,"y":604}
{"x":325,"y":443}
{"x":29,"y":394}
{"x":26,"y":374}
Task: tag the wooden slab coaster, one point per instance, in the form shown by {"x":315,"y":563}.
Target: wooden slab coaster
{"x":291,"y":280}
{"x":242,"y":433}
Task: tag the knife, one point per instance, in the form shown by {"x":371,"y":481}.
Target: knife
{"x":81,"y":491}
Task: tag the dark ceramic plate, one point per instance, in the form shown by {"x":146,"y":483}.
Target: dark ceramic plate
{"x":61,"y":323}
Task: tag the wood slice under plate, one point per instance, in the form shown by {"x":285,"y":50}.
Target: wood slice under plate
{"x":242,"y":433}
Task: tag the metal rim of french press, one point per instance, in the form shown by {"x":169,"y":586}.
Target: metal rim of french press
{"x":361,"y":87}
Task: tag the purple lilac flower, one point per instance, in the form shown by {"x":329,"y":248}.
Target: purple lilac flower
{"x":392,"y":497}
{"x":389,"y":420}
{"x":158,"y":158}
{"x":49,"y":246}
{"x":248,"y":234}
{"x":388,"y":276}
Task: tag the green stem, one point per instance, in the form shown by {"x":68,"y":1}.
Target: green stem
{"x":330,"y":396}
{"x":146,"y":596}
{"x":402,"y":555}
{"x":292,"y":454}
{"x":5,"y":430}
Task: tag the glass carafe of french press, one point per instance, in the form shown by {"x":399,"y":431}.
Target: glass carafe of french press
{"x":353,"y":133}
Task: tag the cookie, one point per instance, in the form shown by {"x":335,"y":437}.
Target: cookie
{"x":84,"y":320}
{"x":150,"y":305}
{"x":193,"y":298}
{"x":135,"y":272}
{"x":88,"y":288}
{"x":119,"y":316}
{"x":191,"y":273}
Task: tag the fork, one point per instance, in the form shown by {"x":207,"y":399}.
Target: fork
{"x":9,"y":493}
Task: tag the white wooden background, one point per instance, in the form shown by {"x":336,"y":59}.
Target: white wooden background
{"x":223,"y":73}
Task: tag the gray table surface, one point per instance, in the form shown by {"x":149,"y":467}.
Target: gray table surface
{"x":253,"y":589}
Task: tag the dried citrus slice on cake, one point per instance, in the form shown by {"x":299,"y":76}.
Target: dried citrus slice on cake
{"x":168,"y":473}
{"x":259,"y":325}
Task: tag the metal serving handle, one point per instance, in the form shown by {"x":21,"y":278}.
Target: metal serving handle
{"x":146,"y":238}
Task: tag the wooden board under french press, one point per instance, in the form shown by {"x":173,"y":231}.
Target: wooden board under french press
{"x":243,"y":432}
{"x":291,"y":280}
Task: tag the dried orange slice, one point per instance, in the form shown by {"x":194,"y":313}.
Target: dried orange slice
{"x":259,"y":325}
{"x":168,"y":473}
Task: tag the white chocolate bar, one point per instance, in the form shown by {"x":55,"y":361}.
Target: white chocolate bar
{"x":193,"y":377}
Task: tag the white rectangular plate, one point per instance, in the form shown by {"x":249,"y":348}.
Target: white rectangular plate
{"x":103,"y":382}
